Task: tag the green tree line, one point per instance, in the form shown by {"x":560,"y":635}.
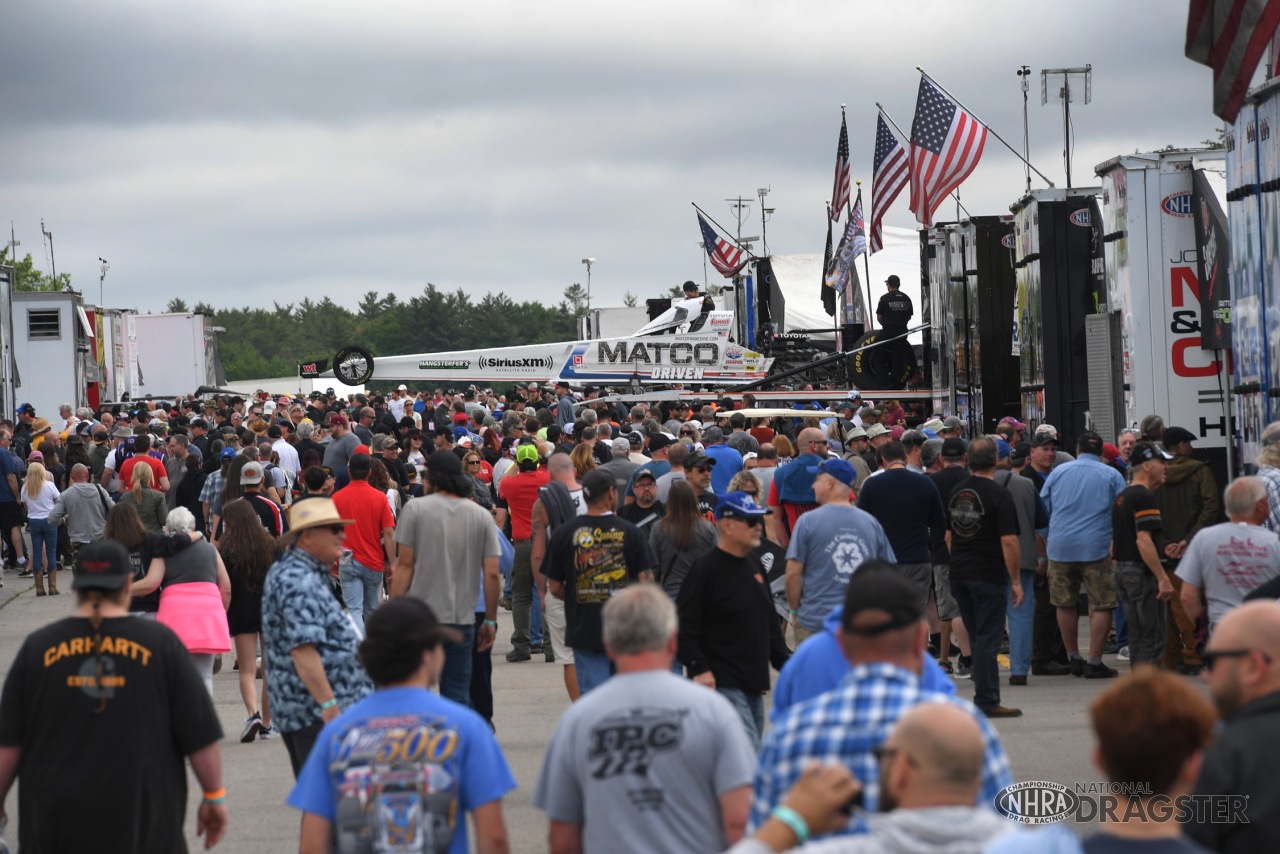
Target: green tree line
{"x":272,"y":342}
{"x":27,"y":278}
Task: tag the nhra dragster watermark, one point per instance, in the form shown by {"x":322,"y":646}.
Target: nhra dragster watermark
{"x":1042,"y":802}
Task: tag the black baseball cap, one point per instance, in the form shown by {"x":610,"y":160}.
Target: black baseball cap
{"x":103,"y":565}
{"x":953,"y":448}
{"x":1145,"y":452}
{"x":878,"y":586}
{"x":408,"y":621}
{"x":596,"y":483}
{"x":444,"y":462}
{"x":1041,"y":439}
{"x":1018,"y":455}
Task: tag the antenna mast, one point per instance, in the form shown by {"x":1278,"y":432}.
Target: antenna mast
{"x":1072,"y":84}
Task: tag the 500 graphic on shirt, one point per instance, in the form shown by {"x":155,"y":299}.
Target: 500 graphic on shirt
{"x":423,"y":743}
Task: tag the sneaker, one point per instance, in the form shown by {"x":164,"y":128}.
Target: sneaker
{"x":1110,"y":648}
{"x":26,"y":573}
{"x":1018,"y":680}
{"x":1100,"y":671}
{"x":945,"y":664}
{"x":217,"y":663}
{"x":1123,"y":654}
{"x":1052,"y":668}
{"x":252,"y":726}
{"x":1002,"y":712}
{"x":22,"y":561}
{"x":1077,"y":666}
{"x":268,"y":733}
{"x":550,"y":654}
{"x":515,"y":656}
{"x":505,"y":603}
{"x":964,"y":667}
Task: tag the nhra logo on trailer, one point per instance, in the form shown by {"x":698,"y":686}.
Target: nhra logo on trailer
{"x":1177,"y":204}
{"x":527,"y":362}
{"x":1009,"y":241}
{"x":1084,"y":220}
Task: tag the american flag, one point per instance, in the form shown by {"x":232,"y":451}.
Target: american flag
{"x":840,"y":192}
{"x":888,"y":179}
{"x":1230,"y":36}
{"x":858,"y":228}
{"x":946,"y":142}
{"x":725,"y":257}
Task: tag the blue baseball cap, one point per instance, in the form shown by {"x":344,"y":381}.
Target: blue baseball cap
{"x":739,"y":505}
{"x":841,"y":470}
{"x":1002,"y":448}
{"x":929,"y":432}
{"x":459,"y":432}
{"x":227,"y":454}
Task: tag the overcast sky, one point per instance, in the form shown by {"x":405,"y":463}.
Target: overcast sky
{"x":242,"y":152}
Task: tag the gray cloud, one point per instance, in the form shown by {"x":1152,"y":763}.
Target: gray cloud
{"x":243,"y":153}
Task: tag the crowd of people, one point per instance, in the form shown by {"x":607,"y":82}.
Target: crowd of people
{"x":670,"y":558}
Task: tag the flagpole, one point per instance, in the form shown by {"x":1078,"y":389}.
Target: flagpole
{"x":722,"y":231}
{"x":954,"y":194}
{"x":989,"y":129}
{"x":866,"y":265}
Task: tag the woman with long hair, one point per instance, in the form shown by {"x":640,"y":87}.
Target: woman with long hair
{"x":380,"y":479}
{"x":124,"y":526}
{"x":491,"y":445}
{"x":195,"y":592}
{"x":151,"y":505}
{"x":411,"y":451}
{"x":76,"y":453}
{"x":247,"y":551}
{"x":680,"y":537}
{"x":583,"y":459}
{"x":38,"y":496}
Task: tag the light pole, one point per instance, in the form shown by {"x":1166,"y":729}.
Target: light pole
{"x":588,"y":262}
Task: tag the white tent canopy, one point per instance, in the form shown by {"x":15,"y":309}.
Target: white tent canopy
{"x":799,"y":277}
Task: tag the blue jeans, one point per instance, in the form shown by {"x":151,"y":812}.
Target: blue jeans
{"x":1022,"y":626}
{"x":455,"y":679}
{"x":750,"y":707}
{"x":593,"y":669}
{"x":1122,"y":627}
{"x":361,"y":589}
{"x":1136,"y":588}
{"x":44,"y":545}
{"x":982,"y":607}
{"x":481,"y":675}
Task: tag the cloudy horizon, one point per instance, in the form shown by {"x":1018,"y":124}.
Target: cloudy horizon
{"x":240,"y":154}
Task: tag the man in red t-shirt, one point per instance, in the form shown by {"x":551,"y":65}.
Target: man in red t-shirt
{"x":370,"y":538}
{"x":141,"y":454}
{"x":518,"y":491}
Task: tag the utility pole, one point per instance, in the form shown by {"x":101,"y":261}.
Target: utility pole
{"x":588,"y":262}
{"x":764,"y":216}
{"x":705,"y":284}
{"x":1025,"y":74}
{"x":53,"y":262}
{"x":741,"y":209}
{"x":1084,"y":80}
{"x":13,"y":246}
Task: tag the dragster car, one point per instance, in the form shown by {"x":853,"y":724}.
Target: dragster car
{"x":682,"y":344}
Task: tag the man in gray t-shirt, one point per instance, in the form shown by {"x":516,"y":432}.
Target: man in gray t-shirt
{"x":825,"y":551}
{"x":342,"y":446}
{"x":1226,"y":562}
{"x":646,"y":758}
{"x":447,"y":542}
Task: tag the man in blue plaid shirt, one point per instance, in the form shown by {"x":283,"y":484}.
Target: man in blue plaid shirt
{"x":883,"y":635}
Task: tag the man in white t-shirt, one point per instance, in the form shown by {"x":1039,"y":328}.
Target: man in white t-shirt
{"x":646,"y":756}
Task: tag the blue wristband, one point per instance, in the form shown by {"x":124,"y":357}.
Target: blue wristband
{"x":794,"y":821}
{"x":329,"y":703}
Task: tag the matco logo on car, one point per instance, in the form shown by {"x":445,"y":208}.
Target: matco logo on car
{"x":1177,"y":204}
{"x":1083,"y":219}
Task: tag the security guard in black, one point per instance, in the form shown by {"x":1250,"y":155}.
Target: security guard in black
{"x":894,"y":311}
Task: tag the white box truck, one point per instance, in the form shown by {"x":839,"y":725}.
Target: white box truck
{"x":176,"y":353}
{"x":1152,"y":282}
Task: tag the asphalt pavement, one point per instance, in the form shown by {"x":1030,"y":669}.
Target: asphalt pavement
{"x":1050,"y":742}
